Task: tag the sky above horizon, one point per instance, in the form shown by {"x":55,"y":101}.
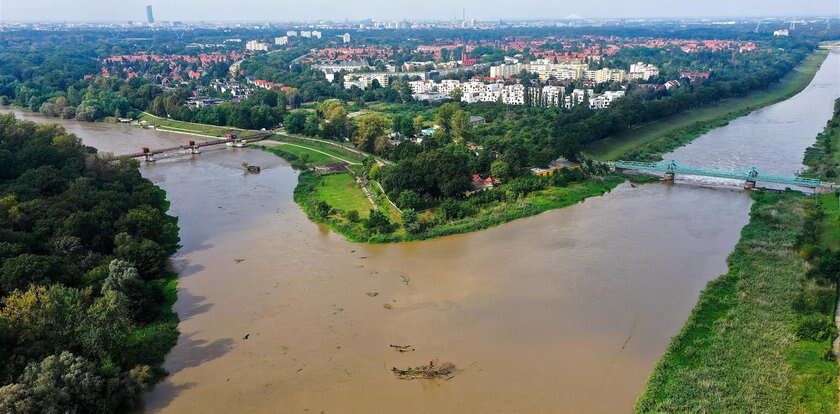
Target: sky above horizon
{"x":286,"y":10}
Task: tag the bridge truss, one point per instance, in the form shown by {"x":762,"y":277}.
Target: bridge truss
{"x":749,"y":175}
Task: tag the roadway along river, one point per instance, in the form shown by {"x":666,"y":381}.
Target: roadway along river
{"x":567,"y":311}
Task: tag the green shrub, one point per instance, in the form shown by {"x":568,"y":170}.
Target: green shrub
{"x":815,"y":327}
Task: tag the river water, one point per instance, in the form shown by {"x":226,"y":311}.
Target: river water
{"x":567,"y":311}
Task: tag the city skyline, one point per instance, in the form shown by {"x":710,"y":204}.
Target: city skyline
{"x":263,"y":10}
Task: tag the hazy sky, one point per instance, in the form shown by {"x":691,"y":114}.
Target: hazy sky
{"x":285,"y":10}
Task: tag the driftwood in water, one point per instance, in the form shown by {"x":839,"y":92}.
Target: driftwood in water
{"x":403,"y":348}
{"x":430,"y":371}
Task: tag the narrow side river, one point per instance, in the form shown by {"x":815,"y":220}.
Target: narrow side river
{"x":567,"y":311}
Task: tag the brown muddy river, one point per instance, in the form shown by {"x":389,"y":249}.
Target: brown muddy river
{"x":564,"y":312}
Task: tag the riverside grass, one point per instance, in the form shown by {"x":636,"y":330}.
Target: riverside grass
{"x":172,"y":125}
{"x":739,"y":352}
{"x":650,"y":141}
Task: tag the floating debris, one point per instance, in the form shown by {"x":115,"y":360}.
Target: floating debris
{"x":372,"y":294}
{"x":387,"y":306}
{"x":403,"y":348}
{"x":405,"y":279}
{"x":253,"y":169}
{"x":238,"y":260}
{"x":431,"y":371}
{"x":246,"y":336}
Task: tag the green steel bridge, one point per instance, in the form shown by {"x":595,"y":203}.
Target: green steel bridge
{"x":749,"y":176}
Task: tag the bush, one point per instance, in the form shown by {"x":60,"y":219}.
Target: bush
{"x":378,"y":222}
{"x":815,"y":327}
{"x":352,"y":216}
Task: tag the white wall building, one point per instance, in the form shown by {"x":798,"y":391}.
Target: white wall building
{"x":506,"y":71}
{"x":282,"y":40}
{"x":604,"y":100}
{"x":345,"y":38}
{"x":365,"y":80}
{"x":643,"y":71}
{"x":292,"y":33}
{"x":576,"y":97}
{"x":256,"y":45}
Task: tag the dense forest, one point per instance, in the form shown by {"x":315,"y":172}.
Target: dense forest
{"x":86,"y":315}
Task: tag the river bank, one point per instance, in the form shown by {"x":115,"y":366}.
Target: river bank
{"x":758,"y":337}
{"x":650,"y":141}
{"x":761,"y":336}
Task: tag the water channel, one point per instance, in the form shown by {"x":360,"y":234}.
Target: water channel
{"x":567,"y":311}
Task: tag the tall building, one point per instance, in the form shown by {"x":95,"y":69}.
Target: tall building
{"x":150,"y":18}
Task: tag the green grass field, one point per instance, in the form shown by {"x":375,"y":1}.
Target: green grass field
{"x":334,"y":149}
{"x":341,"y":191}
{"x":307,"y":156}
{"x":189,"y":127}
{"x":830,"y":225}
{"x":612,"y":148}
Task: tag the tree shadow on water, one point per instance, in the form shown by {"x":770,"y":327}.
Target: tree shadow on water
{"x":161,"y":396}
{"x":190,"y":305}
{"x":191,"y":352}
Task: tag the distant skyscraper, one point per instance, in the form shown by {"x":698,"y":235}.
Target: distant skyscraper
{"x":149,"y":16}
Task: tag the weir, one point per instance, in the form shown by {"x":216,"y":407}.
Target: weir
{"x":192,"y":147}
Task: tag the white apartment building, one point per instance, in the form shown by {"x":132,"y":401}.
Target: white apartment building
{"x":552,"y":95}
{"x":604,"y":75}
{"x":604,"y":100}
{"x":513,"y":94}
{"x":306,"y":33}
{"x":349,"y":66}
{"x":292,"y":33}
{"x":316,"y":34}
{"x":422,"y":86}
{"x":345,"y":38}
{"x":782,"y":32}
{"x":256,"y":45}
{"x":447,"y":86}
{"x":506,"y":71}
{"x":365,"y":80}
{"x":576,"y":97}
{"x":282,"y":40}
{"x":643,"y":71}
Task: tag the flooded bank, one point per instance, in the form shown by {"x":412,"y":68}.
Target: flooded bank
{"x":566,"y":311}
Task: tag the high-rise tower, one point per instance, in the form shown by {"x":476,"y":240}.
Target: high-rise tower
{"x":149,"y":16}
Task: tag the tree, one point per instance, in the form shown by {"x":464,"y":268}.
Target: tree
{"x":410,"y":221}
{"x":456,"y":94}
{"x":450,"y":210}
{"x":408,"y":199}
{"x":444,"y":116}
{"x":378,"y":222}
{"x":460,"y":125}
{"x":66,"y":383}
{"x":418,"y":125}
{"x":500,"y":169}
{"x":295,"y":122}
{"x":370,"y":127}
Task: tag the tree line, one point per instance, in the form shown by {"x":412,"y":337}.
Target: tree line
{"x":86,"y":317}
